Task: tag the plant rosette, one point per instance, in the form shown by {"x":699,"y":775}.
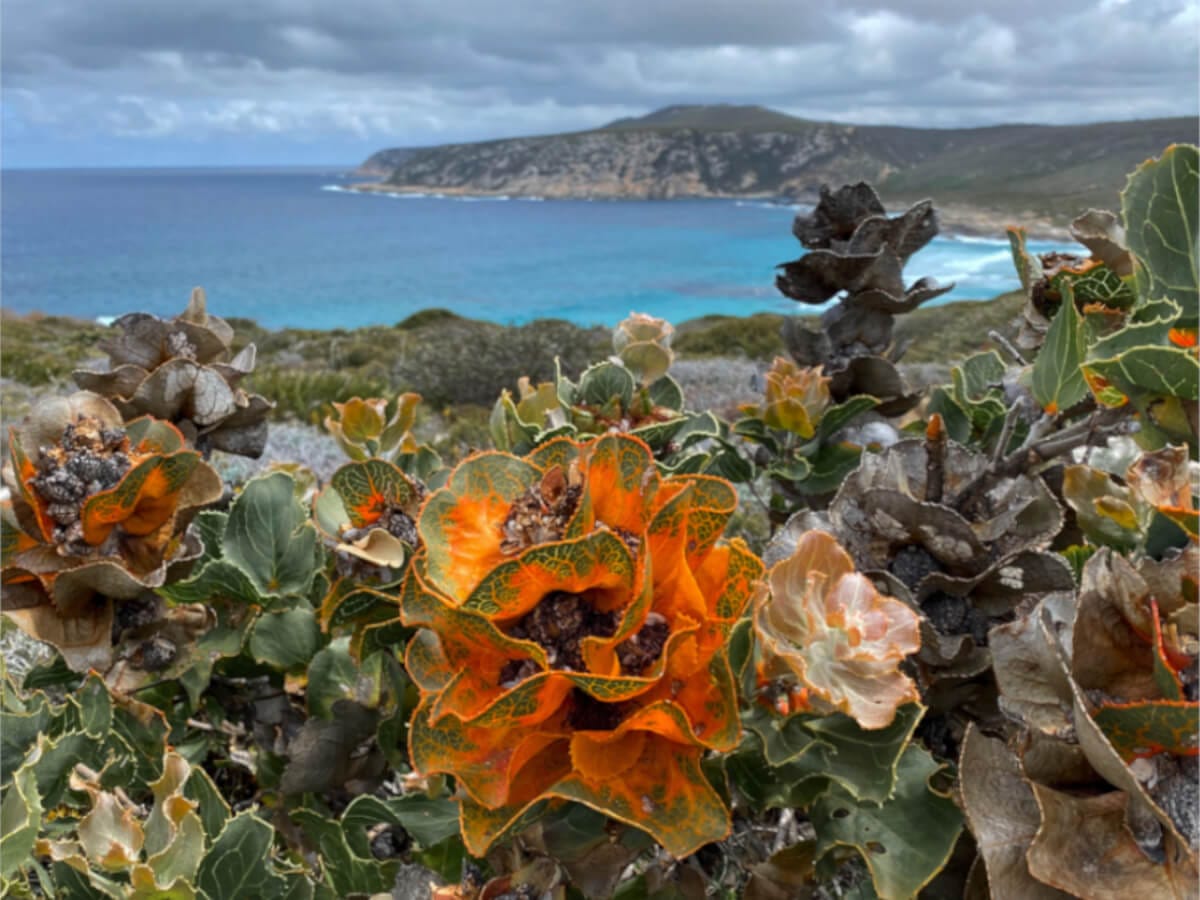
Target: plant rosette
{"x":574,"y":609}
{"x":825,"y":626}
{"x":363,"y":429}
{"x":367,"y":514}
{"x":99,"y":515}
{"x":794,"y":399}
{"x":183,"y":370}
{"x":926,"y":518}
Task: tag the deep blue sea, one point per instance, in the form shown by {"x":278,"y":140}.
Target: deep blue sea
{"x":294,"y":248}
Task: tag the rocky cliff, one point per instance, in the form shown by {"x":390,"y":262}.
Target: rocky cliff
{"x":754,"y":152}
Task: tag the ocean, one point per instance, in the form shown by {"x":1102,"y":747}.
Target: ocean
{"x":295,"y":248}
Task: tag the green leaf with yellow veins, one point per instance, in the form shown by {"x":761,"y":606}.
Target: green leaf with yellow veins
{"x":1150,"y":726}
{"x":666,"y":392}
{"x":57,"y":758}
{"x":837,"y":417}
{"x":1099,"y":284}
{"x":864,"y":761}
{"x":1169,"y":371}
{"x":829,"y":468}
{"x":73,"y":883}
{"x":270,"y":538}
{"x":286,"y":640}
{"x":605,"y":382}
{"x":1057,"y":380}
{"x":332,"y":676}
{"x":146,"y":887}
{"x":955,"y":418}
{"x":345,"y":871}
{"x":978,"y":376}
{"x":238,"y":862}
{"x":19,"y":732}
{"x":1151,"y":328}
{"x":210,"y":805}
{"x":20,"y":817}
{"x":211,"y":527}
{"x":219,"y":578}
{"x":429,"y":820}
{"x":1162,"y":227}
{"x":221,"y":642}
{"x":906,"y":840}
{"x":783,"y":739}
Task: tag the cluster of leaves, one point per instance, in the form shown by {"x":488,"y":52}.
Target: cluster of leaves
{"x":184,"y":371}
{"x":549,"y":673}
{"x":632,"y":393}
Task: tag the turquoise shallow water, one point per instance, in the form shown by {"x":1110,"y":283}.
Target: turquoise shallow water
{"x":294,"y":248}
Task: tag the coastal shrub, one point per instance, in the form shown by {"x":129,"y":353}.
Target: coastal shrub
{"x":860,"y":637}
{"x":754,"y":337}
{"x":309,"y":395}
{"x":426,"y":317}
{"x":465,"y":361}
{"x":40,"y":350}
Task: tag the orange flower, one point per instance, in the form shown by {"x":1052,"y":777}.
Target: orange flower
{"x":575,"y":608}
{"x":795,"y":398}
{"x":823,"y":623}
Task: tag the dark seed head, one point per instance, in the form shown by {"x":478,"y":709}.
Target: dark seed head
{"x":157,"y":653}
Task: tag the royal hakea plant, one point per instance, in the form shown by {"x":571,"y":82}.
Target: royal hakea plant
{"x":856,"y":256}
{"x":363,"y":428}
{"x":1096,"y":791}
{"x":830,"y":641}
{"x":184,"y":370}
{"x":806,"y":444}
{"x":631,"y":393}
{"x":549,"y":672}
{"x":99,"y":516}
{"x":574,"y":608}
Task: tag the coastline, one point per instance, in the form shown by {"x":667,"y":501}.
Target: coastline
{"x":957,"y":220}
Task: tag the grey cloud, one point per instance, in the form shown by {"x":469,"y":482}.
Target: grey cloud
{"x":431,"y":70}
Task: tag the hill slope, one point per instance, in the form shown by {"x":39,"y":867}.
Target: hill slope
{"x":750,"y":151}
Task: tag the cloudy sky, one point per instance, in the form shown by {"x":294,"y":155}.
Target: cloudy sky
{"x":161,"y":82}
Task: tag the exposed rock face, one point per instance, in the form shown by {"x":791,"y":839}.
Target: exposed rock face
{"x":657,"y":164}
{"x":384,"y":163}
{"x":732,"y":151}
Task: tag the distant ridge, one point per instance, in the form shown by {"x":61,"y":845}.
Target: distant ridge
{"x":713,"y":117}
{"x":753,"y":151}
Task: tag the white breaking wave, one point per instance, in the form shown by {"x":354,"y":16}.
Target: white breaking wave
{"x":973,"y":239}
{"x":418,"y":195}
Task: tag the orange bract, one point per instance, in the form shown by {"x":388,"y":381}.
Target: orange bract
{"x":573,"y":640}
{"x":97,"y":516}
{"x":821,"y":622}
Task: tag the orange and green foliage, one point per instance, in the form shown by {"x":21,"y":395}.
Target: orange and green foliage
{"x":560,"y":671}
{"x":574,"y":608}
{"x":99,"y":515}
